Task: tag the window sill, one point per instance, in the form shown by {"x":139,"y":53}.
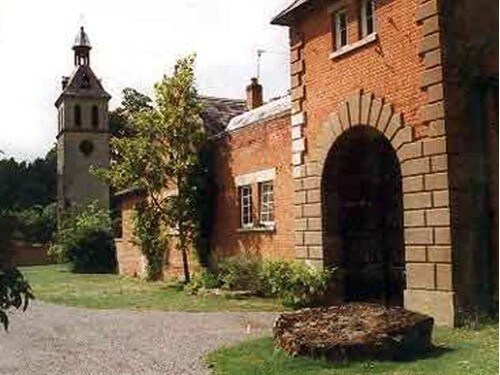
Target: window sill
{"x":351,"y":47}
{"x":258,"y":229}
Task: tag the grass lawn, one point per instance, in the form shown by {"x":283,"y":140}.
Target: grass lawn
{"x":55,"y":284}
{"x":459,"y":351}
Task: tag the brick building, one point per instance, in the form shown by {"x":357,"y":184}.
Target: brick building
{"x":383,"y":160}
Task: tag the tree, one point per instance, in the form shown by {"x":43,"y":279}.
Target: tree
{"x":23,"y":185}
{"x":15,"y":292}
{"x":133,"y":101}
{"x":28,"y":194}
{"x":163,"y":155}
{"x":37,"y":224}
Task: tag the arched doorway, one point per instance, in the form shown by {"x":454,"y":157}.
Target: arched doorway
{"x":363,"y":217}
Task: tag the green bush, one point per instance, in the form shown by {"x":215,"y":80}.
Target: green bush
{"x":203,"y":280}
{"x":85,"y":240}
{"x":296,"y":283}
{"x":241,"y":272}
{"x":93,"y":253}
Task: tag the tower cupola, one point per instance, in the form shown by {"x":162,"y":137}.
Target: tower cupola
{"x":82,"y":48}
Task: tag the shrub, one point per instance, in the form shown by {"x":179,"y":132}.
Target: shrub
{"x":86,"y":241}
{"x":93,"y":252}
{"x":296,"y":283}
{"x":241,"y":272}
{"x":203,"y":280}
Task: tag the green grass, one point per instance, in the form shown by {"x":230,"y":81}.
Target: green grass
{"x":55,"y":284}
{"x":458,"y":351}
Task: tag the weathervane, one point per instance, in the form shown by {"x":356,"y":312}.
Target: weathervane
{"x":81,"y":19}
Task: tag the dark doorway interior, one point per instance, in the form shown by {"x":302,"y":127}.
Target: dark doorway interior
{"x":364,"y":217}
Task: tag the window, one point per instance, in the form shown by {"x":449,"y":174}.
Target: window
{"x":340,"y":26}
{"x":95,"y":116}
{"x":78,"y":115}
{"x":59,"y":119}
{"x":266,"y":202}
{"x":367,"y":18}
{"x":246,"y":205}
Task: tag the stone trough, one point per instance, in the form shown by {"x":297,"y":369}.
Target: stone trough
{"x":354,"y":331}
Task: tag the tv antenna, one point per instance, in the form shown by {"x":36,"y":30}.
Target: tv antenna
{"x":259,"y":55}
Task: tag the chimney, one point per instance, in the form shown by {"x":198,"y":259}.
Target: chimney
{"x":254,"y":94}
{"x":64,"y":82}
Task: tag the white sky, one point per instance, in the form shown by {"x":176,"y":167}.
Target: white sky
{"x":134,"y":43}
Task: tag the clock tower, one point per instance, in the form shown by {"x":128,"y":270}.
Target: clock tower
{"x":83,"y":133}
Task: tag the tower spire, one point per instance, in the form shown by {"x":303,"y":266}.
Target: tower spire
{"x":82,"y":48}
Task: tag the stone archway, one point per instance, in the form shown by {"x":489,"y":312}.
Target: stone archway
{"x":425,"y":190}
{"x":363,"y":217}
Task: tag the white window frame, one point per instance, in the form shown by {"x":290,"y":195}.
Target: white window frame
{"x":365,"y":6}
{"x":246,"y":203}
{"x":266,"y":203}
{"x":338,"y":30}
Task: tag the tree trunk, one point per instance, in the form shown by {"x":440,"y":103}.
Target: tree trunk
{"x":182,"y":246}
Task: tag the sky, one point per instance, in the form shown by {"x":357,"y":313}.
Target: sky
{"x":133,"y":44}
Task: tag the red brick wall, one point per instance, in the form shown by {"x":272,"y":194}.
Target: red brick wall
{"x":26,"y":254}
{"x":255,"y":147}
{"x":389,"y":67}
{"x":404,"y":67}
{"x":401,"y":69}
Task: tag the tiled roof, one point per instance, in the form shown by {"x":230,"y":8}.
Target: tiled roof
{"x":217,"y":112}
{"x":288,"y":14}
{"x":84,"y":83}
{"x":264,"y":112}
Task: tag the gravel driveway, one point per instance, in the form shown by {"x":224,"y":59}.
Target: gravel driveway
{"x":50,"y":339}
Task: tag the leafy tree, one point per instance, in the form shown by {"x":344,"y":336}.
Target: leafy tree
{"x":133,"y":101}
{"x":23,"y":185}
{"x":85,"y":240}
{"x":15,"y":291}
{"x":37,"y":224}
{"x":162,"y":155}
{"x":29,"y":191}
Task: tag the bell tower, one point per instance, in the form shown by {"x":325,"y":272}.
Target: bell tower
{"x":83,"y":133}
